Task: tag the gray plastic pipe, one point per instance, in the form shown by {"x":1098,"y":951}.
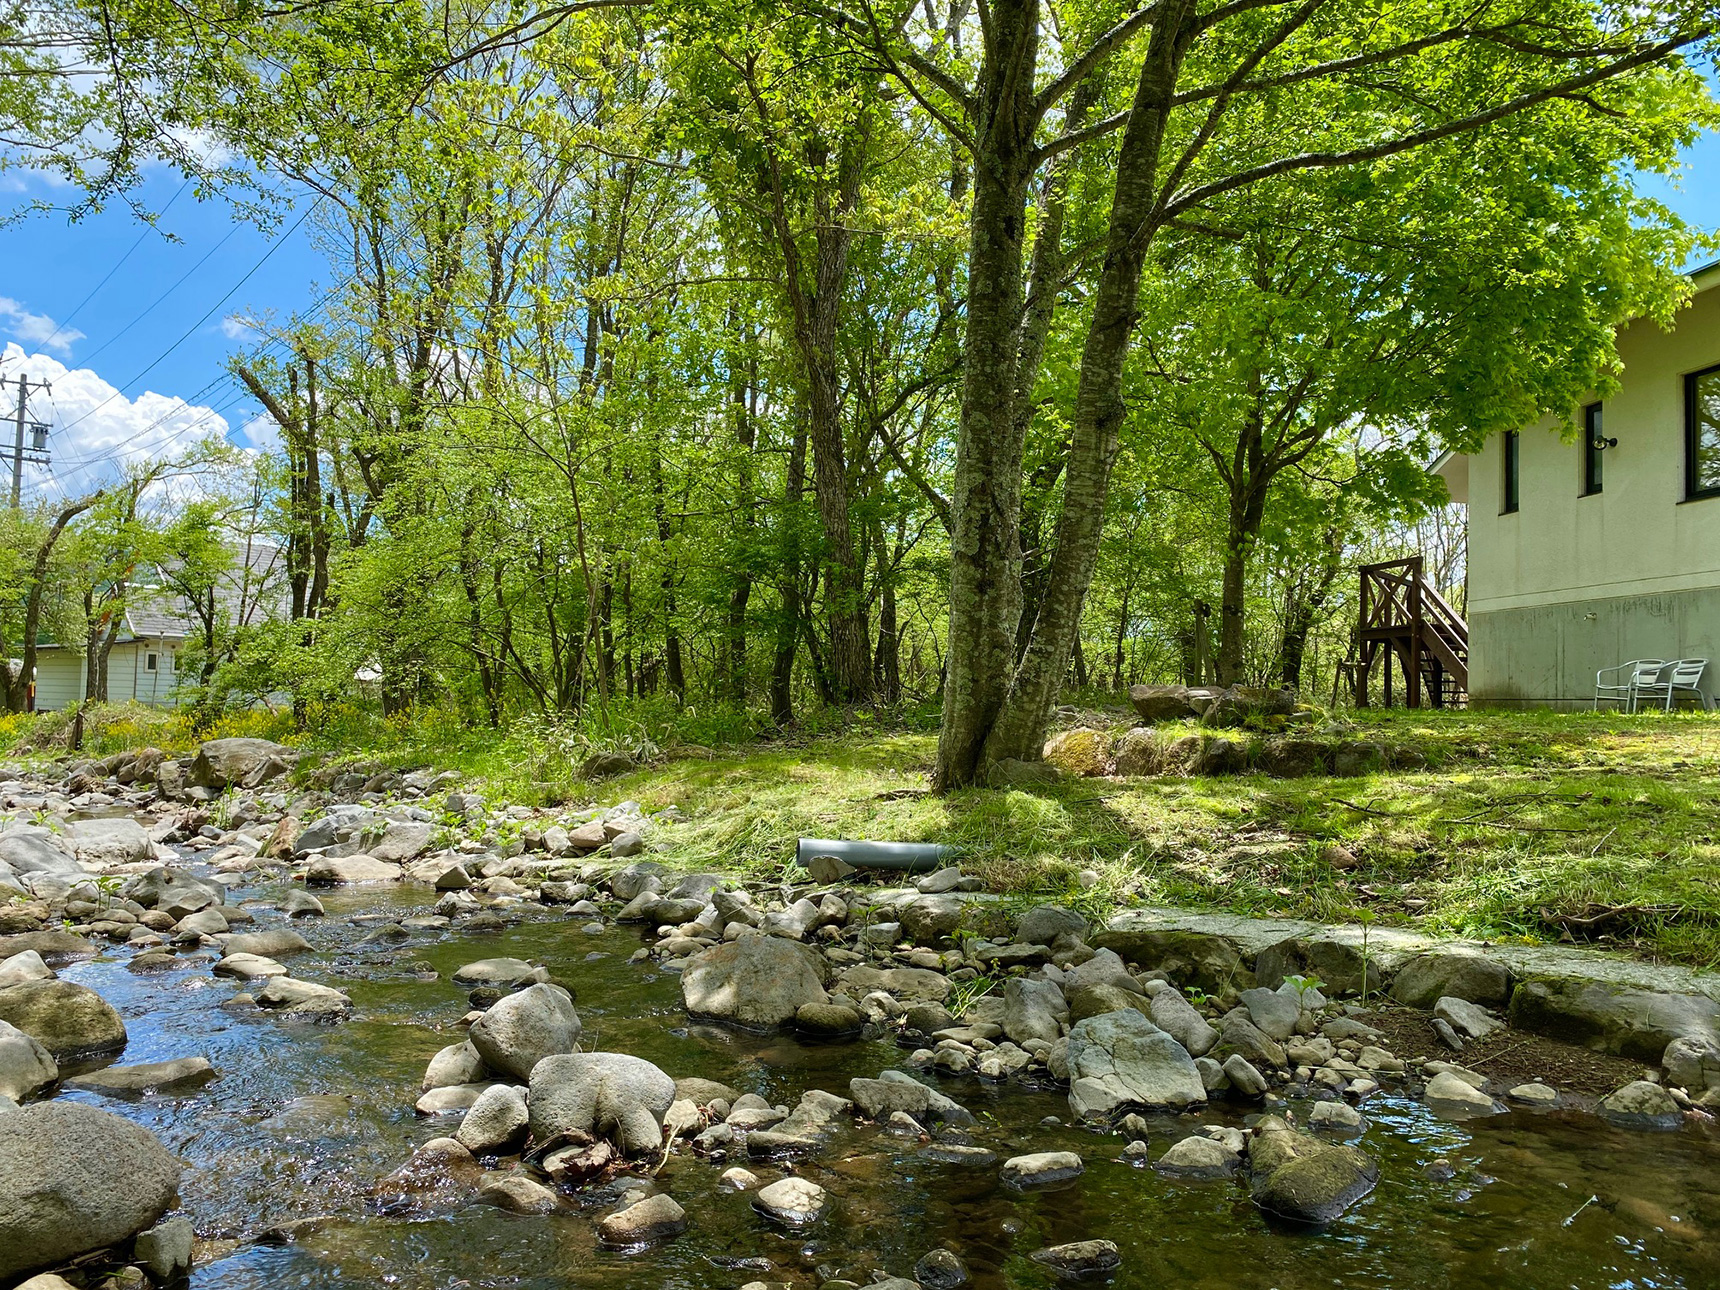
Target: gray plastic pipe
{"x":913,"y":857}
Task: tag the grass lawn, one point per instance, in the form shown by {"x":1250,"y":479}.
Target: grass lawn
{"x":1539,"y":826}
{"x":1599,"y":827}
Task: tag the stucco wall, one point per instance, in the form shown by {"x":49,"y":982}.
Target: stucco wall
{"x":1549,"y":654}
{"x":1568,"y":583}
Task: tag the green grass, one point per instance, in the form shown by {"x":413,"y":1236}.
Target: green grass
{"x":1520,"y":825}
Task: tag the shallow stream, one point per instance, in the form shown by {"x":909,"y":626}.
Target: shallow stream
{"x":304,"y":1119}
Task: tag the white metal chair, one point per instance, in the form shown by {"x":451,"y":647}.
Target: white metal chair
{"x":1680,"y":676}
{"x":1620,"y":684}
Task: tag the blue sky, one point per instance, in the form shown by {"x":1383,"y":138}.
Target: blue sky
{"x":138,"y":368}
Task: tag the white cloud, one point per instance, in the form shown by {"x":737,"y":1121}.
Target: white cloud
{"x":95,"y":430}
{"x":234,"y":327}
{"x":37,"y":329}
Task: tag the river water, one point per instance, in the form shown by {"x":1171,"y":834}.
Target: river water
{"x":304,"y":1119}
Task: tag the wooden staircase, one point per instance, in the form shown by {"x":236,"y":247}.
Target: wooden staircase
{"x":1404,"y":618}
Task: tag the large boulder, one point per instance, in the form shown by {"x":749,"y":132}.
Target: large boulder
{"x":402,"y":840}
{"x":30,"y":848}
{"x":52,"y":945}
{"x":25,"y":1065}
{"x":1243,"y":705}
{"x":1457,"y":973}
{"x":756,"y":982}
{"x":1199,"y":959}
{"x":909,"y":985}
{"x":521,"y":1030}
{"x":67,"y":1019}
{"x":895,"y":1091}
{"x":1046,"y":924}
{"x":277,"y":942}
{"x":74,"y":1179}
{"x":1155,"y":703}
{"x":1302,"y":1179}
{"x":332,"y":871}
{"x":1120,"y":1061}
{"x":1612,"y":1019}
{"x":1080,"y":752}
{"x":610,"y":1095}
{"x":930,"y":918}
{"x":1138,"y":752}
{"x":1293,"y":758}
{"x":102,"y":844}
{"x":173,"y":891}
{"x":224,"y":763}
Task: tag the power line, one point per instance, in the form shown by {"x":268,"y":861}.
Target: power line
{"x":118,"y":264}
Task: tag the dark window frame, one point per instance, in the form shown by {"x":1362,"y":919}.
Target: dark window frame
{"x":1594,"y":475}
{"x":1691,"y":381}
{"x":1511,"y":472}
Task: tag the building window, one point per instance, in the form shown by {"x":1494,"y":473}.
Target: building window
{"x":1594,"y":449}
{"x":149,"y":662}
{"x":1512,"y":471}
{"x":1702,"y":433}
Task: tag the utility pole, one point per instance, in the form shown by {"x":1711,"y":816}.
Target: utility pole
{"x":38,"y":453}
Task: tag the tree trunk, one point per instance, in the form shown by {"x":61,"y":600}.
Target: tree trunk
{"x":18,"y":685}
{"x":1248,"y":478}
{"x":1018,"y":728}
{"x":985,"y":502}
{"x":1305,"y":610}
{"x":788,"y":585}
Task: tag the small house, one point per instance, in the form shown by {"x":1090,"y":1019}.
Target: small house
{"x":1585,"y":554}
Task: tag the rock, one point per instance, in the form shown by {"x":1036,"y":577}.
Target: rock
{"x":1237,"y":1034}
{"x":1241,"y":705}
{"x":703,"y":1092}
{"x":301,"y":904}
{"x":205,"y":922}
{"x":456,"y":1064}
{"x":180,"y":1075}
{"x":940,"y":1270}
{"x":738,"y":1179}
{"x":1640,"y":1105}
{"x":1198,"y":1158}
{"x":451,"y":1097}
{"x":1080,"y":1260}
{"x":1014,"y":772}
{"x":1467,"y":1019}
{"x":1243,"y":1077}
{"x":502,"y":971}
{"x":1176,"y":1016}
{"x":67,"y":1019}
{"x":826,"y":870}
{"x":1449,"y":1092}
{"x":1535,"y":1094}
{"x":1083,"y":752}
{"x":1198,"y":959}
{"x":1692,"y":1062}
{"x":930,"y":918}
{"x":402,"y":840}
{"x":1093,"y":1000}
{"x":1031,"y":1010}
{"x":24,"y":966}
{"x":276,"y":943}
{"x":303,"y":998}
{"x":1612,"y":1019}
{"x":75,"y":1179}
{"x":827,"y":1020}
{"x":329,"y":871}
{"x":165,"y":1249}
{"x":46,"y":1281}
{"x":1357,"y":758}
{"x":51,"y":946}
{"x":756,"y":982}
{"x":909,"y":985}
{"x":646,"y":1222}
{"x":1274,"y":1014}
{"x":1457,"y":972}
{"x":496,"y":1123}
{"x":516,"y":1193}
{"x":108,"y":843}
{"x":25,"y":1066}
{"x":1300,"y":1178}
{"x":1047,"y":924}
{"x":519,"y":1031}
{"x":940,"y":881}
{"x":605,"y":765}
{"x":31,"y":849}
{"x":1292,"y":758}
{"x":248,"y":967}
{"x":605,"y":1094}
{"x":1121,"y":1061}
{"x":225,"y":763}
{"x":1137,"y":753}
{"x":1336,"y":1117}
{"x":896,"y":1091}
{"x":793,"y":1201}
{"x":1339,"y":964}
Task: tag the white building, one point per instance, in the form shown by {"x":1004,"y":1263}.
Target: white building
{"x":1586,"y":554}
